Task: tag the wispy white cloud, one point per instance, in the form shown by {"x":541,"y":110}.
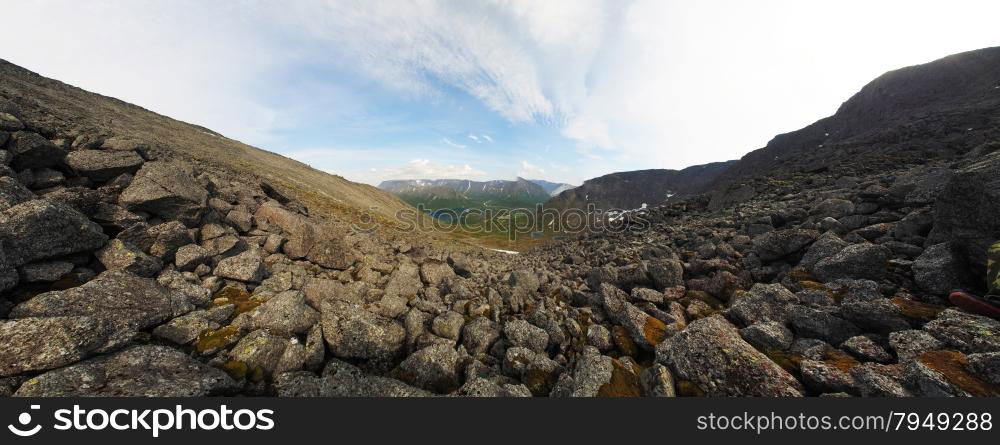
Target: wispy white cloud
{"x":453,"y":143}
{"x":427,"y":169}
{"x":529,"y":170}
{"x":487,"y":138}
{"x":475,"y":138}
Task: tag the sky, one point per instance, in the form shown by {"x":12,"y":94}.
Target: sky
{"x":562,"y":90}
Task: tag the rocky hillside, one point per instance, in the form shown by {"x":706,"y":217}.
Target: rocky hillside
{"x":630,"y":190}
{"x":148,"y":269}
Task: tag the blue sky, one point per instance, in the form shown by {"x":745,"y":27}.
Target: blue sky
{"x":563,"y":90}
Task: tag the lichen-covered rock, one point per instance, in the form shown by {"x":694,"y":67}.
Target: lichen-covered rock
{"x":166,"y":189}
{"x":666,"y":273}
{"x":536,"y":371}
{"x":434,"y":368}
{"x":479,"y":335}
{"x":966,"y":332}
{"x":260,"y":350}
{"x":449,"y":325}
{"x":190,"y":256}
{"x":814,"y":323}
{"x":480,"y":387}
{"x":711,"y":354}
{"x":127,"y":302}
{"x":39,"y":344}
{"x":332,"y":254}
{"x":768,"y":335}
{"x":351,"y":331}
{"x":47,"y":271}
{"x":909,"y":344}
{"x":762,"y":303}
{"x":833,"y":208}
{"x":185,"y":329}
{"x":247,"y":266}
{"x":13,"y":193}
{"x":285,"y":314}
{"x":865,"y":349}
{"x":645,"y":330}
{"x":38,"y":229}
{"x":140,"y":371}
{"x":434,"y":272}
{"x":103,"y":165}
{"x":119,"y":255}
{"x":522,"y":333}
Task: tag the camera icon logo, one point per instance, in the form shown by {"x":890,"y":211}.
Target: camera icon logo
{"x":25,"y":420}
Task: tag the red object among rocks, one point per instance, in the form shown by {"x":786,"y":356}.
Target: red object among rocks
{"x":974,"y":304}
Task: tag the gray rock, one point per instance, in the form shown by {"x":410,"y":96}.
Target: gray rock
{"x":140,"y":371}
{"x":642,"y":294}
{"x":190,"y":256}
{"x":871,"y":381}
{"x":31,"y":150}
{"x":536,"y":371}
{"x":260,"y":350}
{"x":525,"y":280}
{"x":45,"y":272}
{"x":343,"y":380}
{"x":966,"y":213}
{"x":479,"y":335}
{"x":434,"y":368}
{"x":166,"y":189}
{"x":404,"y":281}
{"x":351,"y":331}
{"x":13,"y":193}
{"x":711,"y":354}
{"x":480,"y":387}
{"x":293,"y":359}
{"x":119,"y":255}
{"x":592,"y":373}
{"x":855,"y":261}
{"x":822,"y":377}
{"x":657,"y":381}
{"x":240,"y":218}
{"x":833,"y":208}
{"x":39,"y":344}
{"x":434,"y":272}
{"x":814,"y":323}
{"x":768,"y":335}
{"x":866,"y":350}
{"x":185,"y":329}
{"x":986,"y":366}
{"x":247,"y":266}
{"x":449,"y":325}
{"x":522,"y":333}
{"x":46,"y":178}
{"x":166,"y":238}
{"x":879,"y":316}
{"x":763,"y":302}
{"x":126,"y":302}
{"x":911,"y":343}
{"x":332,"y":254}
{"x":781,"y":243}
{"x":38,"y":230}
{"x":966,"y":332}
{"x":285,"y":315}
{"x":940,"y":269}
{"x":826,"y":246}
{"x":599,"y":337}
{"x":103,"y":165}
{"x":666,"y":273}
{"x":8,"y":274}
{"x":315,"y":349}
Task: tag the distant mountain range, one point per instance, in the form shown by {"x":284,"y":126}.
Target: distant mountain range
{"x":434,"y":194}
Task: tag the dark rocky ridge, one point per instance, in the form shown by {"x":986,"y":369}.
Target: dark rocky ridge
{"x":630,"y":190}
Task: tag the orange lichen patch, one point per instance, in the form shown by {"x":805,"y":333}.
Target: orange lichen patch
{"x":916,"y":309}
{"x":800,"y":275}
{"x":624,"y":341}
{"x":707,"y":298}
{"x":687,"y":388}
{"x":840,"y":360}
{"x":788,"y":361}
{"x":623,"y":383}
{"x":538,"y":382}
{"x":236,"y":369}
{"x":217,"y":339}
{"x":953,"y":365}
{"x":236,"y":296}
{"x":654,"y":331}
{"x":814,"y":285}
